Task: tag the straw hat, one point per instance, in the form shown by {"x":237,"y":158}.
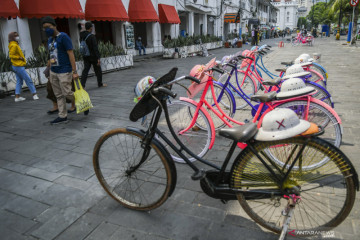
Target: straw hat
{"x":307,"y":57}
{"x":281,"y":123}
{"x":294,"y":87}
{"x":302,"y":61}
{"x":294,"y":71}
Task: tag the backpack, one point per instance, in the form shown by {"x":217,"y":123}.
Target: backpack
{"x":84,"y":49}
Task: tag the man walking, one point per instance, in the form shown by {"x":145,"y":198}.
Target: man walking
{"x":91,"y":55}
{"x":63,"y":67}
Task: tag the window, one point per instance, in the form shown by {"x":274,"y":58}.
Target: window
{"x":288,"y":19}
{"x":288,"y":13}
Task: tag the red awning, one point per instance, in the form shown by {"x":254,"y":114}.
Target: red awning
{"x":168,"y":14}
{"x":142,"y":11}
{"x":8,"y":9}
{"x":53,"y":8}
{"x":105,"y":10}
{"x":231,"y":18}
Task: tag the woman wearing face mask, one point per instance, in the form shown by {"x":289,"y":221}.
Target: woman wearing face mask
{"x":18,"y":65}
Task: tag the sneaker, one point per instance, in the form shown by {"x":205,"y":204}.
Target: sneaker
{"x":19,"y":99}
{"x":86,"y":112}
{"x":59,"y":120}
{"x":35,"y":97}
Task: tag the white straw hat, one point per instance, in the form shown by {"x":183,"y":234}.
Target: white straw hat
{"x":294,"y":71}
{"x":302,"y":61}
{"x":307,"y":57}
{"x":281,"y":123}
{"x":294,"y":87}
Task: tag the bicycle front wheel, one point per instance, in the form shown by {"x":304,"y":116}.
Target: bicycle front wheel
{"x":327,"y":193}
{"x":137,"y":185}
{"x":318,"y":115}
{"x":316,"y":77}
{"x":196,"y":139}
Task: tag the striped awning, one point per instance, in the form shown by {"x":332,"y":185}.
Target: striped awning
{"x":231,"y":18}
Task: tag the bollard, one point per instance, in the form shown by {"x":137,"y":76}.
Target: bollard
{"x":281,"y":44}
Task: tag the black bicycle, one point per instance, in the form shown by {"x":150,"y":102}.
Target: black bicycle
{"x":135,"y":168}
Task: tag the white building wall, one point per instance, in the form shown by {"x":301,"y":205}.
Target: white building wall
{"x":288,"y":14}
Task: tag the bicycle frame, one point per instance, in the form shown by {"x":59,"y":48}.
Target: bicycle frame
{"x":265,"y":193}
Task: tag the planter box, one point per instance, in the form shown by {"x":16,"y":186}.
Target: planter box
{"x":9,"y":79}
{"x":42,"y":78}
{"x":189,"y":50}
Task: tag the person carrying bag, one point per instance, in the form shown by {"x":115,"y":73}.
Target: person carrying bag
{"x":82,"y":98}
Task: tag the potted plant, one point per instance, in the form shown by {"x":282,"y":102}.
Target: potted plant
{"x":227,"y":44}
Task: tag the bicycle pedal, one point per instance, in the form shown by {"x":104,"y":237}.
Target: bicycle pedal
{"x":198,"y":175}
{"x":246,"y":121}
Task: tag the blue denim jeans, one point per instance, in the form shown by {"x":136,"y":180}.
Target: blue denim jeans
{"x":21,"y":76}
{"x":143,"y":48}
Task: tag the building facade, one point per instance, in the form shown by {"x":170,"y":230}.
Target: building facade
{"x":288,"y":13}
{"x":122,"y":21}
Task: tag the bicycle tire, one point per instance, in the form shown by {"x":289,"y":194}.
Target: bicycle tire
{"x":336,"y":179}
{"x":320,"y":116}
{"x":321,"y":94}
{"x":319,"y":70}
{"x":196,"y":139}
{"x":156,"y":176}
{"x":295,"y":42}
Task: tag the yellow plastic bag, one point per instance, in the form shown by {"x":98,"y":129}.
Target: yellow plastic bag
{"x":82,"y":99}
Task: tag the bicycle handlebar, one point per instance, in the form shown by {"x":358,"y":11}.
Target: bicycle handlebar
{"x":165,"y":91}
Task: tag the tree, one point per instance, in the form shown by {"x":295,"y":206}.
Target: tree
{"x":302,"y":21}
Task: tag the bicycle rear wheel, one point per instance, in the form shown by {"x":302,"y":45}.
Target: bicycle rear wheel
{"x":319,"y":70}
{"x":327,"y":193}
{"x":196,"y":139}
{"x":115,"y":157}
{"x":319,"y":115}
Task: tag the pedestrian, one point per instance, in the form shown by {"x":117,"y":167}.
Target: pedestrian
{"x":256,"y":33}
{"x":51,"y":96}
{"x":18,"y":63}
{"x":140,"y":46}
{"x":93,"y":57}
{"x":253,"y":37}
{"x":63,"y":67}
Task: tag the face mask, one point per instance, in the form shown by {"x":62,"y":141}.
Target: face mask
{"x":17,"y":39}
{"x":49,"y":32}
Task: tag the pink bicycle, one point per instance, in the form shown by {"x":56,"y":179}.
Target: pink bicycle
{"x":307,"y":40}
{"x":195,"y":122}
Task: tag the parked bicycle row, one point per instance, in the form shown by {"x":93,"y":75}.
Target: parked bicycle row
{"x":290,"y":173}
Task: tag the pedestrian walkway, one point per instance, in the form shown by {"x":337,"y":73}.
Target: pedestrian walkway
{"x":48,"y":188}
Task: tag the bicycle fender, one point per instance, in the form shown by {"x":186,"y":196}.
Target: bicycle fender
{"x":168,"y":157}
{"x":207,"y":115}
{"x":230,"y":93}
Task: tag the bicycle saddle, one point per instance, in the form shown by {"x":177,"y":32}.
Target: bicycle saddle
{"x":287,"y":63}
{"x":272,"y":82}
{"x":240,"y":133}
{"x":266,"y":97}
{"x":280,"y":69}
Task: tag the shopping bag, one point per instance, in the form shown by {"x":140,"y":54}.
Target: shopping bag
{"x":82,"y":99}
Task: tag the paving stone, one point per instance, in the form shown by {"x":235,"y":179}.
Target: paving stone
{"x":25,"y":207}
{"x":58,"y":223}
{"x":131,"y":234}
{"x":83,"y":173}
{"x":43,"y":174}
{"x":6,"y":197}
{"x":15,"y":222}
{"x":73,"y":182}
{"x":82,"y":227}
{"x":104,"y":231}
{"x":9,"y":234}
{"x":170,"y":225}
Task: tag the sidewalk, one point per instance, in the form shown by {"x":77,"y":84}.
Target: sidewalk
{"x":48,"y":189}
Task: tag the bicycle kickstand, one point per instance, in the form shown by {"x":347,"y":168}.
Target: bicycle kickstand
{"x":288,"y":212}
